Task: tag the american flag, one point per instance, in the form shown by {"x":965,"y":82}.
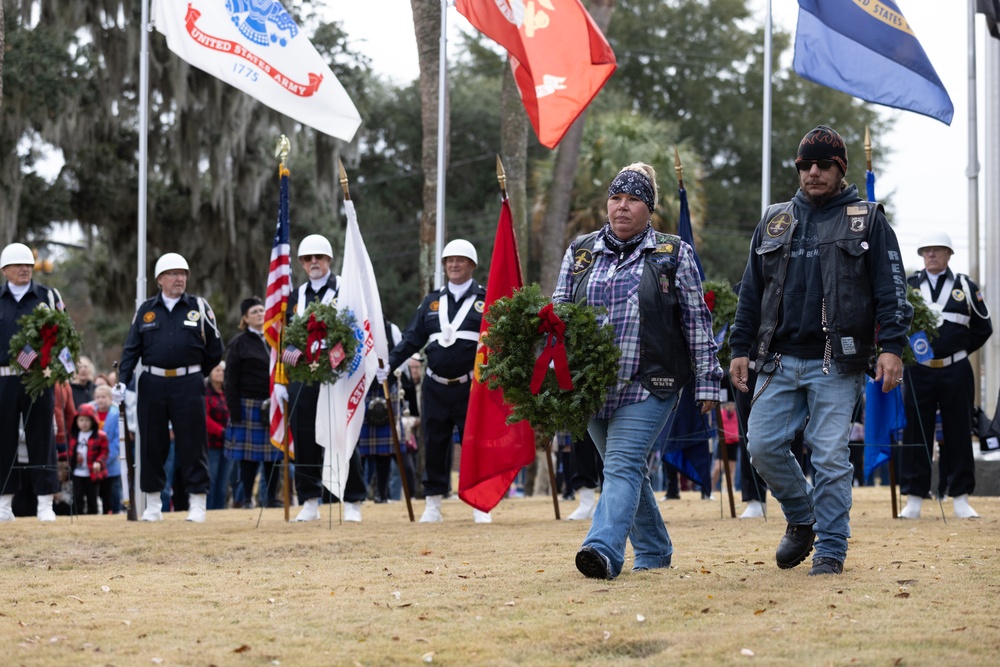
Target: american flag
{"x":26,"y":357}
{"x":279,"y":284}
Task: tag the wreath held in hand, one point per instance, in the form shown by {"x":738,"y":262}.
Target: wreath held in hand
{"x":323,"y":342}
{"x":45,"y":349}
{"x":526,"y":333}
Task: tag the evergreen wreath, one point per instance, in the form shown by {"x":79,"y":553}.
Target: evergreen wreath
{"x":329,"y":327}
{"x":514,"y":344}
{"x":47,"y":332}
{"x":721,"y":300}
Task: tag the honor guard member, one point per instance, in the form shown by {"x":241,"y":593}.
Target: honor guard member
{"x":315,"y":255}
{"x":176,"y":338}
{"x":20,"y":295}
{"x":943,"y":383}
{"x":447,"y":322}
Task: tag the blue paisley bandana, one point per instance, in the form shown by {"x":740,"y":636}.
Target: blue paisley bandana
{"x":633,"y":183}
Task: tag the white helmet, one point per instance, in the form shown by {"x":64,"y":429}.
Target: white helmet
{"x":935,"y":239}
{"x":16,"y":253}
{"x":460,"y":248}
{"x":314,"y":244}
{"x":170,"y":262}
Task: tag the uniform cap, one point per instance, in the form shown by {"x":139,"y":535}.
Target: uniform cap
{"x":932,"y":239}
{"x":169,"y":262}
{"x":460,"y":248}
{"x":315,"y":244}
{"x":16,"y":253}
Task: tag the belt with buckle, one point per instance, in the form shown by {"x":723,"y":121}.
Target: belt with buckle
{"x":173,"y":372}
{"x":6,"y":371}
{"x":945,"y":361}
{"x":462,"y":379}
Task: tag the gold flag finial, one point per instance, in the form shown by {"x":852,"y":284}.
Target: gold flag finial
{"x":501,"y":178}
{"x":679,"y":169}
{"x":282,"y":149}
{"x":343,"y":179}
{"x":868,"y":148}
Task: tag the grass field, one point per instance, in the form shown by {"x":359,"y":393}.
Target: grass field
{"x":102,"y":591}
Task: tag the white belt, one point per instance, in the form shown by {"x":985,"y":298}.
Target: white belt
{"x":947,"y":361}
{"x":173,"y":372}
{"x":462,"y":379}
{"x":445,"y":341}
{"x":956,"y":318}
{"x":7,"y":371}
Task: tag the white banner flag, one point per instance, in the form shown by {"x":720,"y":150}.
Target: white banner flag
{"x":255,"y":46}
{"x":341,"y":407}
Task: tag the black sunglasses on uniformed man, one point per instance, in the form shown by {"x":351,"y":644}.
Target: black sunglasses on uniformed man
{"x":311,"y":258}
{"x":806,"y":165}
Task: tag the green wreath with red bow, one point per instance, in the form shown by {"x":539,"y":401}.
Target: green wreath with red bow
{"x":45,"y":349}
{"x":552,"y":361}
{"x":323,"y":342}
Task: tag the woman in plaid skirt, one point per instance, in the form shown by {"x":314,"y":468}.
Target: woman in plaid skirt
{"x":247,"y":385}
{"x":375,"y":440}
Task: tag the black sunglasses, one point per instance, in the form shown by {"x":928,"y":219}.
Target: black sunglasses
{"x":311,"y":258}
{"x":806,"y":165}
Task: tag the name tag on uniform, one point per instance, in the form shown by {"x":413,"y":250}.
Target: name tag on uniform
{"x":148,"y":326}
{"x":189,"y":323}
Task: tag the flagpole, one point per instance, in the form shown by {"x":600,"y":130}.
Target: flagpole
{"x":972,"y":171}
{"x":442,"y":98}
{"x":765,"y":146}
{"x":891,"y":462}
{"x":281,"y":150}
{"x":136,"y":497}
{"x":385,"y":385}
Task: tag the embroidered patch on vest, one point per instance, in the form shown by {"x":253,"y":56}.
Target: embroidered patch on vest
{"x":847,"y":345}
{"x":193,"y":315}
{"x":777,"y":225}
{"x":665,"y":247}
{"x":858,"y":224}
{"x":582,"y":260}
{"x":149,"y":317}
{"x":857,"y":209}
{"x":434,"y":306}
{"x":479,"y":305}
{"x":958,"y":295}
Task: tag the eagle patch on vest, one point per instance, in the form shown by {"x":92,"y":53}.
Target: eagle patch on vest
{"x":777,"y":225}
{"x":958,"y":295}
{"x":582,"y":260}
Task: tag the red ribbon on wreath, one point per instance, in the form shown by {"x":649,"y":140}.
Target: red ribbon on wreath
{"x":554,"y":351}
{"x":710,"y":300}
{"x":315,"y":335}
{"x":49,"y":332}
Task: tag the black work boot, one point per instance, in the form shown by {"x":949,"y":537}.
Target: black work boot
{"x":794,"y":546}
{"x":823,"y":565}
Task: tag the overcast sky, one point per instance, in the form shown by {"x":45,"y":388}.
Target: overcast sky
{"x":925,"y":174}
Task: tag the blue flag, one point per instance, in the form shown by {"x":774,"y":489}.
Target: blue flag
{"x":683,"y":442}
{"x":685,"y":231}
{"x":867,"y":49}
{"x":884,"y":417}
{"x":921,"y":347}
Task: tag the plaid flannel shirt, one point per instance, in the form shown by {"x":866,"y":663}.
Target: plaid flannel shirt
{"x":616,"y":287}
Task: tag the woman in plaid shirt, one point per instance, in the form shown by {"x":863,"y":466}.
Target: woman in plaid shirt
{"x":648,"y":283}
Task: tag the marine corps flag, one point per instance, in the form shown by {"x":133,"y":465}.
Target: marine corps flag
{"x":256,"y":46}
{"x":559,"y":57}
{"x":492,"y":451}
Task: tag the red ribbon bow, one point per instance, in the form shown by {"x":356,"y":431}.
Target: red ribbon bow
{"x":554,"y":351}
{"x":49,"y":332}
{"x":315,"y":335}
{"x":710,"y":300}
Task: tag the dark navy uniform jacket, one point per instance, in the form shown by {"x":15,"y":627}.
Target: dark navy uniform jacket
{"x":172,"y":339}
{"x":11,"y":310}
{"x":447,"y":362}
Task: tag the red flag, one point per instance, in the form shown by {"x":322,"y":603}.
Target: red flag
{"x":492,"y":451}
{"x":559,"y":57}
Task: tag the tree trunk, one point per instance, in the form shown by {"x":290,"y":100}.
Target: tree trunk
{"x":557,"y":212}
{"x":2,"y":50}
{"x":427,"y":27}
{"x":514,"y":153}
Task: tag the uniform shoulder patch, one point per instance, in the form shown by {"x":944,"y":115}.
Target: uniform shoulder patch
{"x":435,"y":306}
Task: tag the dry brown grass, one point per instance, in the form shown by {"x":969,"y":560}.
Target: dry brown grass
{"x":101,"y":591}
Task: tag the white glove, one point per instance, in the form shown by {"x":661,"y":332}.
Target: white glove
{"x":118,"y":393}
{"x":382,"y":373}
{"x":281,"y":393}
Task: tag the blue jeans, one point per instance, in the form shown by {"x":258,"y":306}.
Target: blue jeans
{"x":800,"y":390}
{"x":219,"y":472}
{"x":627,"y":508}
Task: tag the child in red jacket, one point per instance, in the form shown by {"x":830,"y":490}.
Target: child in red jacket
{"x":88,"y":458}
